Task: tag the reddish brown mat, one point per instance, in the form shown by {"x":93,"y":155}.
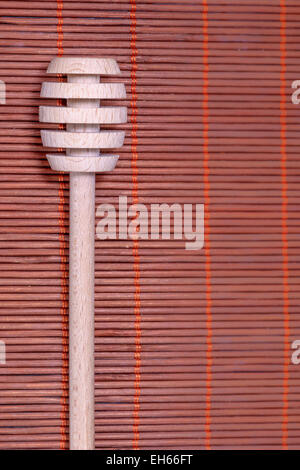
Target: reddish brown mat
{"x":193,"y":348}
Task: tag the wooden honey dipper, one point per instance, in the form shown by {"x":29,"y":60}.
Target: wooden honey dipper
{"x":82,"y":141}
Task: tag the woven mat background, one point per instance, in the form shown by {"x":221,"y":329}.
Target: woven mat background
{"x":193,"y":349}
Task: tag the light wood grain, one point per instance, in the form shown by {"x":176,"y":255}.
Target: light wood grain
{"x":82,"y":141}
{"x":105,"y":115}
{"x":82,"y":284}
{"x":83,"y":66}
{"x":82,"y":164}
{"x":81,"y":322}
{"x":81,"y":90}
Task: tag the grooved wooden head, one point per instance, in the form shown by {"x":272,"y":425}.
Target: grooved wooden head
{"x":83,"y":115}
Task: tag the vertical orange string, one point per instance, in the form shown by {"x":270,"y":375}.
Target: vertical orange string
{"x":60,"y":34}
{"x":136,"y":258}
{"x":284,"y":222}
{"x":205,"y":107}
{"x":63,"y":264}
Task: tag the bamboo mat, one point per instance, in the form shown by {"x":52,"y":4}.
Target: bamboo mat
{"x":193,"y":348}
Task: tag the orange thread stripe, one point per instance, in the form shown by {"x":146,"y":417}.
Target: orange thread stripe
{"x":60,"y":34}
{"x":284,"y":221}
{"x":207,"y":227}
{"x":64,"y":310}
{"x":63,"y":264}
{"x":136,"y":258}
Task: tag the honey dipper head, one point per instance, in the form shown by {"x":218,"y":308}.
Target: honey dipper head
{"x":83,"y":115}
